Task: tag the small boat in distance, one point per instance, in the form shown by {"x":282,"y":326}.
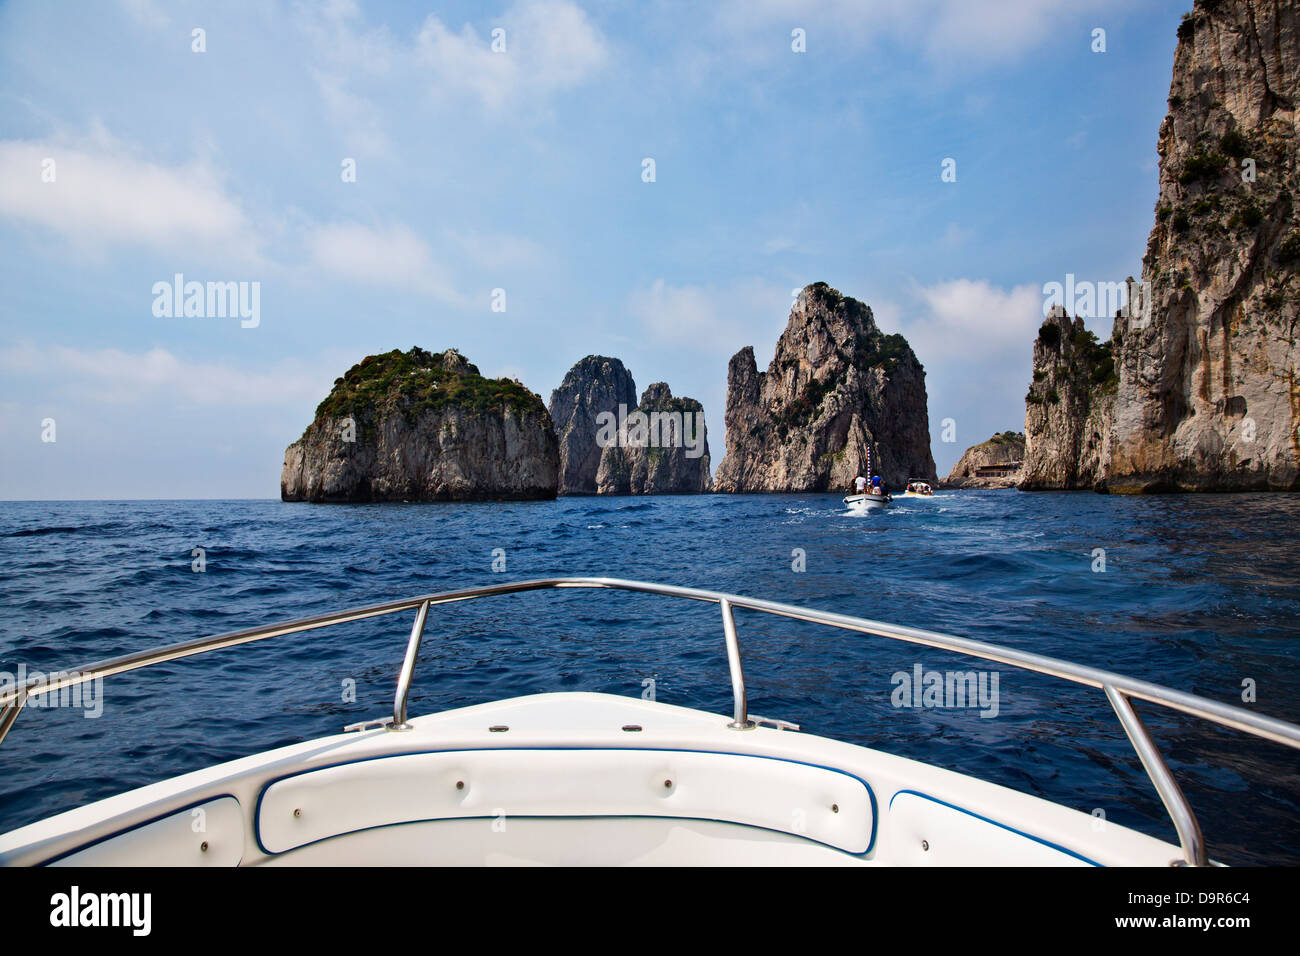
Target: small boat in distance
{"x":918,"y":488}
{"x":873,"y":496}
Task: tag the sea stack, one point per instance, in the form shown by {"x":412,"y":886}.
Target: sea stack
{"x":1206,"y":394}
{"x":671,"y":458}
{"x":421,"y":426}
{"x":1069,"y":406}
{"x":595,"y":386}
{"x":836,"y":386}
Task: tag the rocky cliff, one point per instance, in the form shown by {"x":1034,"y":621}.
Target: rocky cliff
{"x":1206,"y":396}
{"x":836,"y":385}
{"x":1005,"y":448}
{"x":1069,"y":406}
{"x":671,"y":455}
{"x":419,"y":426}
{"x":594,"y":386}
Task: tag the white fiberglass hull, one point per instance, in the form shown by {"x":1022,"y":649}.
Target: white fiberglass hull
{"x":576,"y":779}
{"x":867,"y":502}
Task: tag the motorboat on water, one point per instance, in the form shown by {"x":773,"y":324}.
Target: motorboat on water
{"x":585,"y":778}
{"x":868,"y":502}
{"x":918,"y":488}
{"x":874,"y":497}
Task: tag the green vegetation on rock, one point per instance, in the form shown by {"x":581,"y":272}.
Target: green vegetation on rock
{"x":417,"y":381}
{"x":1084,"y":363}
{"x":1289,"y":250}
{"x":1202,"y":165}
{"x":1235,"y":144}
{"x":885,"y":350}
{"x":1095,"y":358}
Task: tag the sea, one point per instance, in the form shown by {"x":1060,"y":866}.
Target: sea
{"x":1199,"y":593}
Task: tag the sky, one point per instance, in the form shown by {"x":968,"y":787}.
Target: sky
{"x":382,"y":177}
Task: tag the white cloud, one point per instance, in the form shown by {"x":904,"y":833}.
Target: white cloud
{"x":356,"y":117}
{"x":720,"y":320}
{"x":975,"y":340}
{"x":102,"y":193}
{"x":146,"y":13}
{"x":341,"y":39}
{"x":388,"y":256}
{"x":949,"y":33}
{"x":968,"y":319}
{"x":550,"y":46}
{"x":495,"y":251}
{"x":119,"y":377}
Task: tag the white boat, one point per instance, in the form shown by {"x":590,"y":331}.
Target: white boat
{"x":581,"y":778}
{"x":868,"y":502}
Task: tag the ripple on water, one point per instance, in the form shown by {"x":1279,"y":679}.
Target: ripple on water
{"x":1196,"y":594}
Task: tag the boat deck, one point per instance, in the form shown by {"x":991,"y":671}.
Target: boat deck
{"x":576,"y":778}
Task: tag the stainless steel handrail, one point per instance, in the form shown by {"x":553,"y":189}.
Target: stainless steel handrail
{"x":1119,"y":690}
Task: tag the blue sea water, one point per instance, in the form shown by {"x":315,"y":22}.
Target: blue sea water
{"x":1199,"y":593}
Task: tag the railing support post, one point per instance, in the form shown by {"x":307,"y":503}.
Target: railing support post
{"x":10,"y":714}
{"x":741,"y":721}
{"x":408,"y":669}
{"x":1171,"y":795}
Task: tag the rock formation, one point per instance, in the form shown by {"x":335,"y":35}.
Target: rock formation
{"x":605,"y":451}
{"x":671,"y":457}
{"x":417,"y":426}
{"x":1069,"y":406}
{"x":836,"y":386}
{"x":1000,"y":451}
{"x":1206,"y":391}
{"x":594,"y":386}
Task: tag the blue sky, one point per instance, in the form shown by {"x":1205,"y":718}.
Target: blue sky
{"x":522,"y":170}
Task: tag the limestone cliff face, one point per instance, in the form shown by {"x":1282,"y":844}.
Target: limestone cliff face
{"x":671,"y":458}
{"x":595,"y":385}
{"x":836,"y":385}
{"x":1002,"y":449}
{"x":1208,"y":394}
{"x":418,"y":426}
{"x":1069,"y":407}
{"x":1207,"y":397}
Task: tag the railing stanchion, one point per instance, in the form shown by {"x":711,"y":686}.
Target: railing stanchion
{"x":1171,"y":795}
{"x":408,"y":669}
{"x":1120,"y":690}
{"x":742,"y":721}
{"x":10,"y":714}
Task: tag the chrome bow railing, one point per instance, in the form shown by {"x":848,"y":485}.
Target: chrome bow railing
{"x":1119,"y":690}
